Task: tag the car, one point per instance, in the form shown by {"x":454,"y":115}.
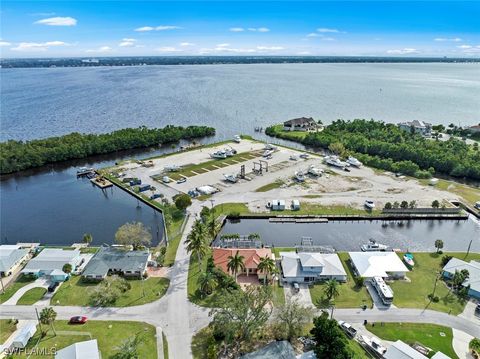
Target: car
{"x":369,"y":204}
{"x":79,"y":319}
{"x":51,"y":288}
{"x":477,"y":205}
{"x":182,"y":180}
{"x":296,"y":287}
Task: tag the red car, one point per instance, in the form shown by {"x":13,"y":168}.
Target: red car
{"x":78,"y":320}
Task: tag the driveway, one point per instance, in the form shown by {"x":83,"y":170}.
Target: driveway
{"x":302,"y":297}
{"x":377,"y":302}
{"x":460,"y":344}
{"x":40,"y":282}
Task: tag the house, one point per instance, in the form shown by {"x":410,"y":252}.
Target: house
{"x":401,"y":350}
{"x":420,"y":127}
{"x":26,"y":332}
{"x":378,"y":264}
{"x":278,"y":205}
{"x":11,"y":257}
{"x":473,"y":280}
{"x":251,"y":259}
{"x":300,"y":124}
{"x":81,"y":350}
{"x":50,"y":261}
{"x":275,"y":350}
{"x":309,"y":267}
{"x":117,"y":260}
{"x":474,"y":128}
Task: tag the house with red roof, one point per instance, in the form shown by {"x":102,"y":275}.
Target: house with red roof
{"x":251,"y":259}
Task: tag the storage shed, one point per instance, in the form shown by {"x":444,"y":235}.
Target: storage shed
{"x":24,"y":335}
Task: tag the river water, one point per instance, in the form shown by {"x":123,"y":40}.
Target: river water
{"x":51,"y":206}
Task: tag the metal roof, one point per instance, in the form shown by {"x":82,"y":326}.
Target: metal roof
{"x":473,"y":268}
{"x":9,"y":255}
{"x":116,"y":258}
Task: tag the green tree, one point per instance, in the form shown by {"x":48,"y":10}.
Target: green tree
{"x":267,"y":266}
{"x":182,"y":201}
{"x":388,"y":205}
{"x":134,"y":234}
{"x":128,"y":349}
{"x":197,"y":240}
{"x":104,"y":296}
{"x":235,"y":264}
{"x":412,"y":204}
{"x":207,"y":282}
{"x":47,"y":317}
{"x":438,"y":244}
{"x":474,"y":346}
{"x":337,"y":148}
{"x":331,"y":289}
{"x":291,"y":319}
{"x":331,"y":342}
{"x":67,"y":268}
{"x":396,"y":205}
{"x":87,"y":238}
{"x":404,"y":204}
{"x":459,"y":277}
{"x":435,"y":204}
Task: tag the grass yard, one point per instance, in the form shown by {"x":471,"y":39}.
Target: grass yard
{"x":109,"y":335}
{"x":350,"y":295}
{"x":68,"y":293}
{"x":165,"y":346}
{"x":12,"y":288}
{"x":270,"y":186}
{"x":468,"y":193}
{"x":32,"y":296}
{"x":278,"y":295}
{"x":357,"y":350}
{"x":414,"y":294}
{"x":276,"y":251}
{"x":289,"y":135}
{"x":7,"y":327}
{"x":425,"y":334}
{"x":174,"y":237}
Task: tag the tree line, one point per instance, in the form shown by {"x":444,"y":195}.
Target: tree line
{"x":385,"y":146}
{"x":21,"y":155}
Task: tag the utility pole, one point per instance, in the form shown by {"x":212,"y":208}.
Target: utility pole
{"x":212,"y":224}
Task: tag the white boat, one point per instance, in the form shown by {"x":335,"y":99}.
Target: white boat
{"x":354,"y":162}
{"x":166,"y":179}
{"x":84,"y":170}
{"x":335,"y":161}
{"x":269,"y":146}
{"x":304,"y":155}
{"x":230,"y":178}
{"x":293,"y":158}
{"x":314,"y":171}
{"x":299,"y":176}
{"x":267,"y":153}
{"x":221,"y":155}
{"x":373,"y":246}
{"x":408,"y":258}
{"x":172,"y":168}
{"x":374,"y":345}
{"x":237,"y":139}
{"x":369,"y":204}
{"x":229,"y":152}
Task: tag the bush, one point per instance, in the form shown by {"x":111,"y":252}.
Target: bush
{"x":433,"y":298}
{"x":183,"y":201}
{"x":234,"y":214}
{"x":445,"y":260}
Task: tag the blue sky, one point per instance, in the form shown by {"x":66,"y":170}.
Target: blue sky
{"x":123,"y":28}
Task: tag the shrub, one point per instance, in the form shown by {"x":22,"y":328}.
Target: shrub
{"x":445,"y":260}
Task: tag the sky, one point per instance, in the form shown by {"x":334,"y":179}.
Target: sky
{"x":184,"y":28}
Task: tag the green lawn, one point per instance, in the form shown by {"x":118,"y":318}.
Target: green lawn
{"x":276,"y":251}
{"x":414,"y":294}
{"x":174,"y":238}
{"x":7,"y":327}
{"x":12,"y":288}
{"x":165,"y":346}
{"x":201,"y":342}
{"x":428,"y":335}
{"x":468,"y":193}
{"x":289,"y":135}
{"x":270,"y":186}
{"x":357,"y":349}
{"x":76,"y":292}
{"x":350,"y":295}
{"x":109,"y":335}
{"x":278,"y":295}
{"x":32,"y":296}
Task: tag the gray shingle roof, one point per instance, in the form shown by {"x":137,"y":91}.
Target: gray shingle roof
{"x":473,"y":268}
{"x":115,"y":258}
{"x":9,"y":256}
{"x":50,"y":259}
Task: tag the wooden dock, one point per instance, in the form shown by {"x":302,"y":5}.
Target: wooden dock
{"x":101,"y":182}
{"x":298,"y":220}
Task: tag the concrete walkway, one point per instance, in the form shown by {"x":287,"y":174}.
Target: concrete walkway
{"x":303,"y":296}
{"x":460,"y":344}
{"x":41,"y":282}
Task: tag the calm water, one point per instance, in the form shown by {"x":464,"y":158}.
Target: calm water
{"x":232,"y":98}
{"x":348,"y":236}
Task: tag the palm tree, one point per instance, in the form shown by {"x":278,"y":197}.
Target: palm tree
{"x":331,"y":289}
{"x":267,"y":265}
{"x":474,"y":345}
{"x":197,"y":241}
{"x":128,"y":349}
{"x":235,"y":264}
{"x":47,"y":317}
{"x":87,"y":238}
{"x":207,"y":282}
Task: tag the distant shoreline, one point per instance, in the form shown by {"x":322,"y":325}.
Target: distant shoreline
{"x":215,"y":60}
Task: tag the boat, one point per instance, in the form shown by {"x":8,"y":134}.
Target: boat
{"x":304,"y":156}
{"x":408,"y":258}
{"x":267,"y":153}
{"x":82,"y":171}
{"x":237,"y":139}
{"x":299,"y":176}
{"x":221,"y":155}
{"x":293,"y":158}
{"x":182,"y":180}
{"x":369,"y":204}
{"x":172,"y":168}
{"x":354,"y":162}
{"x":229,"y":152}
{"x":374,"y":346}
{"x":335,"y":161}
{"x":314,"y":171}
{"x":230,"y":178}
{"x":373,"y":246}
{"x":269,"y":146}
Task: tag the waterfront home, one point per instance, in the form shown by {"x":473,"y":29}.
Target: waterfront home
{"x":11,"y":257}
{"x":401,"y":350}
{"x":251,"y":259}
{"x":300,"y":124}
{"x":378,"y":264}
{"x":87,"y":349}
{"x":309,"y":267}
{"x":419,"y":127}
{"x":117,"y":260}
{"x":275,"y":350}
{"x":50,"y":261}
{"x":473,"y":279}
{"x":474,"y":128}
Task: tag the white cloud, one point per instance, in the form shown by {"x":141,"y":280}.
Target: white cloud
{"x":324,"y":29}
{"x":100,"y":50}
{"x":58,"y":21}
{"x":186,"y":44}
{"x":464,"y":47}
{"x":157,"y":28}
{"x":237,"y":29}
{"x":304,"y":53}
{"x":270,"y":48}
{"x":314,"y":34}
{"x":37,"y":46}
{"x":445,"y":39}
{"x":263,"y":29}
{"x":252,"y":29}
{"x":42,"y":14}
{"x":127,"y":42}
{"x":225,"y":48}
{"x":168,"y":49}
{"x":404,"y":51}
{"x":470,"y":50}
{"x":4,"y":43}
{"x":223,"y":45}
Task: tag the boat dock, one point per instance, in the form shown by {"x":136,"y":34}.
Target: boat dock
{"x":101,"y":182}
{"x":298,"y":220}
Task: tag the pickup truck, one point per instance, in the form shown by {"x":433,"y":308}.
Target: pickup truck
{"x":347,"y":328}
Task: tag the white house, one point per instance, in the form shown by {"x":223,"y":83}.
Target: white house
{"x":81,"y":350}
{"x":50,"y":261}
{"x":308,"y":267}
{"x":11,"y":257}
{"x":420,"y":127}
{"x":401,"y":350}
{"x":378,"y":264}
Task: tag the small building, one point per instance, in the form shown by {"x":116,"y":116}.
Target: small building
{"x":278,"y":205}
{"x":115,"y":260}
{"x":50,"y":261}
{"x":309,"y":267}
{"x":11,"y":257}
{"x":296,"y":205}
{"x":21,"y":339}
{"x":251,"y":259}
{"x":473,"y":279}
{"x":300,"y":124}
{"x":401,"y":350}
{"x":275,"y":350}
{"x":81,"y":350}
{"x":378,"y":264}
{"x":419,"y":127}
{"x":474,"y":128}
